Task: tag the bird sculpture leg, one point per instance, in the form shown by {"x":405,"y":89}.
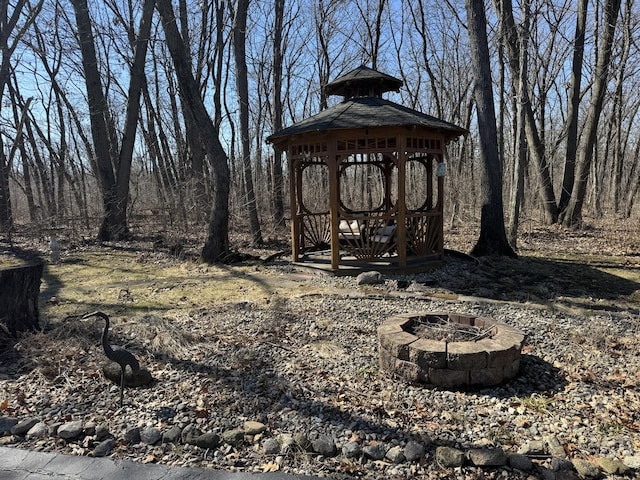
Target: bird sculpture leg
{"x":121,"y":384}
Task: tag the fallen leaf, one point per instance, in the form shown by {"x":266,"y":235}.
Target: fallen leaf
{"x":4,"y":405}
{"x":270,"y":467}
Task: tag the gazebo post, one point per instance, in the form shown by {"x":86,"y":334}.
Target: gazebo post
{"x":402,"y":202}
{"x":332,"y":163}
{"x":440,"y":173}
{"x":295,"y":224}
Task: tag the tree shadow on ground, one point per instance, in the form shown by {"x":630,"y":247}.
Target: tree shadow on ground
{"x":536,"y":377}
{"x":540,"y":280}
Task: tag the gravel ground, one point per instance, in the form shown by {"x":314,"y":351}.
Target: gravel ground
{"x":295,"y":386}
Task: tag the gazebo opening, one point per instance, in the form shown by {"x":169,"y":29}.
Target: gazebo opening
{"x":367,"y":180}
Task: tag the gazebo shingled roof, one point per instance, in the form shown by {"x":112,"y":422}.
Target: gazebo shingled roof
{"x":363,"y":112}
{"x":367,"y":131}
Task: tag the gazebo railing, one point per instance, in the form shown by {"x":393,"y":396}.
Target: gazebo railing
{"x":315,"y":232}
{"x":424,"y":233}
{"x":371,"y":237}
{"x":368,"y":237}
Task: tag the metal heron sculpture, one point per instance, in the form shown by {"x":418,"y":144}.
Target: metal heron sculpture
{"x":115,"y":353}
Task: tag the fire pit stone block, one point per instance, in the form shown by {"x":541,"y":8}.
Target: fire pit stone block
{"x":428,"y":354}
{"x":466,"y":356}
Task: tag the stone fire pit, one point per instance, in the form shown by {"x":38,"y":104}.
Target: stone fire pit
{"x":449,"y":350}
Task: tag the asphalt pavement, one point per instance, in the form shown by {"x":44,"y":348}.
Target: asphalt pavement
{"x":18,"y":464}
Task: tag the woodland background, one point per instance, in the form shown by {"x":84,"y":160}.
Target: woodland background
{"x":120,"y":114}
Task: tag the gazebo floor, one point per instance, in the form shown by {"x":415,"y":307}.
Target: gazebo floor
{"x":349,"y":265}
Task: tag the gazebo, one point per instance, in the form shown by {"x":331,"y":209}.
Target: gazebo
{"x":366,"y":180}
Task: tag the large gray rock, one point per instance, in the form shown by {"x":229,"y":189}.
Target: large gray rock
{"x":104,"y":448}
{"x":611,"y":466}
{"x":271,"y":446}
{"x":352,"y":450}
{"x":102,"y":432}
{"x":395,"y":454}
{"x":70,"y":430}
{"x":150,"y":435}
{"x":287,"y":442}
{"x":370,"y":278}
{"x":132,"y":436}
{"x":172,"y":435}
{"x":413,"y":451}
{"x":520,"y":462}
{"x":208,"y":440}
{"x":533,"y":447}
{"x":23,"y":426}
{"x":6,"y":424}
{"x":375,"y":452}
{"x":324,"y":445}
{"x":234,"y":437}
{"x":39,"y":430}
{"x":303,"y":442}
{"x":189,"y":434}
{"x":488,"y":457}
{"x":449,"y":457}
{"x":253,"y":428}
{"x":586,"y":469}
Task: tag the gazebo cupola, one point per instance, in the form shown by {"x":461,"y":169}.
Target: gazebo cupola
{"x":366,"y":179}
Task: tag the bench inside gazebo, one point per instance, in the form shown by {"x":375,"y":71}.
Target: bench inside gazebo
{"x":367,"y":180}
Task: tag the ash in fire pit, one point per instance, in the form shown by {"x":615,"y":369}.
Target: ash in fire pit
{"x":450,"y":350}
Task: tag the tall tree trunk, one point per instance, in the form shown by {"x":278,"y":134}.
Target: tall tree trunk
{"x":493,"y":238}
{"x":572,"y":215}
{"x":21,"y":119}
{"x":277,"y":177}
{"x":111,"y":228}
{"x":136,"y":84}
{"x":8,"y":23}
{"x":534,"y":142}
{"x":242,"y":88}
{"x":574,"y":106}
{"x":216,"y":247}
{"x":520,"y":158}
{"x":114,"y":185}
{"x":619,"y":140}
{"x":6,"y":214}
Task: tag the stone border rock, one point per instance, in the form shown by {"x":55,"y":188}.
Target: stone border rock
{"x":544,"y":458}
{"x":485,"y":362}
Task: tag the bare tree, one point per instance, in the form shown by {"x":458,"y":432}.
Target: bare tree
{"x":242,"y":87}
{"x":520,"y":157}
{"x":10,"y":34}
{"x":216,"y":247}
{"x":573,"y":108}
{"x":493,"y":238}
{"x":113,"y":171}
{"x":572,"y":215}
{"x":276,"y":122}
{"x":533,"y":134}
